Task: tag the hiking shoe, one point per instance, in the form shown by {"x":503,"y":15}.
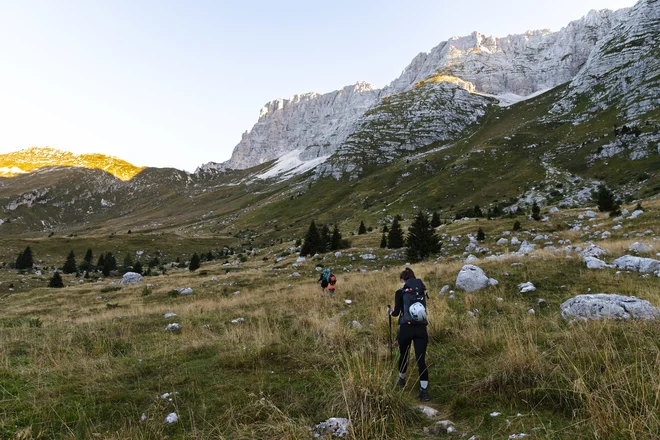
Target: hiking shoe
{"x":402,"y":383}
{"x":423,"y":395}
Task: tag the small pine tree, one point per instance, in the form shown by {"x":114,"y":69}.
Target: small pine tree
{"x":70,"y":265}
{"x":335,"y":239}
{"x":24,"y":260}
{"x":312,"y":241}
{"x":362,"y":229}
{"x":86,"y":264}
{"x":395,"y":239}
{"x":517,"y":226}
{"x":435,"y":220}
{"x":422,"y":240}
{"x":385,"y":229}
{"x":383,"y":241}
{"x":639,"y":207}
{"x":56,"y":281}
{"x":606,"y":200}
{"x":137,"y":267}
{"x":209,"y":256}
{"x":326,"y":238}
{"x":128,"y":263}
{"x":481,"y":236}
{"x":477,"y":211}
{"x":101,"y":262}
{"x":536,"y":212}
{"x":194,"y":263}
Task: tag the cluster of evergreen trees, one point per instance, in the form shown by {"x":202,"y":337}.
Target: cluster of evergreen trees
{"x":320,"y":241}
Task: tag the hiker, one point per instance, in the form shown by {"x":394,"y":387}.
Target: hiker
{"x":332,"y":283}
{"x":325,"y":275}
{"x":410,"y":308}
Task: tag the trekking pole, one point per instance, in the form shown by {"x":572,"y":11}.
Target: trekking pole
{"x":389,"y":316}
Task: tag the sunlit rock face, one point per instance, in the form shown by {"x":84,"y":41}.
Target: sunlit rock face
{"x":34,"y":158}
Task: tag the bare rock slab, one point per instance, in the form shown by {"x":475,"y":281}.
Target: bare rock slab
{"x":607,"y":306}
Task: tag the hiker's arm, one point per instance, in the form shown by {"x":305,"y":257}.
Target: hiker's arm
{"x":398,"y":303}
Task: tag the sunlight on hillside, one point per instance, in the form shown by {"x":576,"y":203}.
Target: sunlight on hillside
{"x":34,"y":158}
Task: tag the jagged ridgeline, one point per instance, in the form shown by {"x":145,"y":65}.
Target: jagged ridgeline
{"x":499,"y":122}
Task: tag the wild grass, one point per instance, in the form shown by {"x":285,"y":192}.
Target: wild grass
{"x":85,"y":371}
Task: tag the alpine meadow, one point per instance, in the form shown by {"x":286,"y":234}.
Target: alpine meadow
{"x":517,"y":177}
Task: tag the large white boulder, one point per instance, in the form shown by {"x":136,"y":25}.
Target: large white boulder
{"x":527,"y":286}
{"x":131,"y":278}
{"x":595,"y":263}
{"x":637,"y":264}
{"x":594,"y":251}
{"x":607,"y":306}
{"x":334,"y":426}
{"x":640,"y":247}
{"x":472,"y":278}
{"x":526,"y":247}
{"x":502,"y":241}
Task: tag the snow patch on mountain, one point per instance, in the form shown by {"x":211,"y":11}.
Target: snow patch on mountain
{"x":291,"y":165}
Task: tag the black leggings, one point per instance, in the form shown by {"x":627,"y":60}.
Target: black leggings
{"x":416,"y":335}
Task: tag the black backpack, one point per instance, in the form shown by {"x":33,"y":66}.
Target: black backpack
{"x":414,"y":291}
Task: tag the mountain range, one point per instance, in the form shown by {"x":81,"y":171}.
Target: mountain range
{"x":542,"y":116}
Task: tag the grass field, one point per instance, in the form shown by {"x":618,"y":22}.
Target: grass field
{"x":92,"y":360}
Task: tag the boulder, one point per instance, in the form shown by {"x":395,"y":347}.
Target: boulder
{"x":429,"y":413}
{"x":640,"y":247}
{"x":471,"y":278}
{"x":607,"y":306}
{"x":444,"y":289}
{"x":526,"y":247}
{"x":368,"y":256}
{"x":526,"y":287}
{"x":595,"y":263}
{"x":185,"y":291}
{"x":334,"y":426}
{"x":502,"y":241}
{"x":636,"y":213}
{"x":131,"y":278}
{"x":637,"y":264}
{"x":590,"y":214}
{"x":594,"y":251}
{"x":515,"y":241}
{"x":171,"y":418}
{"x":173,"y":327}
{"x":471,"y":258}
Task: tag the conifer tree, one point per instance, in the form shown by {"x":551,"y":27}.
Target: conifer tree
{"x":24,"y":259}
{"x":137,"y":267}
{"x":335,"y":239}
{"x":86,"y":264}
{"x":517,"y":226}
{"x":362,"y":229}
{"x":422,"y":240}
{"x":312,"y":241}
{"x":536,"y":212}
{"x":70,"y":265}
{"x":385,"y":229}
{"x":606,"y":200}
{"x":100,"y":264}
{"x":326,"y":238}
{"x":56,"y":281}
{"x":383,"y":241}
{"x":481,"y":236}
{"x":395,"y":238}
{"x":128,"y":262}
{"x":194,"y":263}
{"x":477,"y":211}
{"x":209,"y":256}
{"x":435,"y":220}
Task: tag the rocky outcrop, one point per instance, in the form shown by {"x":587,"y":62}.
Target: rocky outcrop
{"x":608,"y":306}
{"x":637,"y":264}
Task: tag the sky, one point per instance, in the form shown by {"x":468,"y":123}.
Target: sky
{"x":170,"y":83}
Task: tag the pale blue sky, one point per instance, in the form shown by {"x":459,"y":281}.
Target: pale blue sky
{"x":175,"y":83}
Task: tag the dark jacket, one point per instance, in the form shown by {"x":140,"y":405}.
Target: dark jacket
{"x":398,"y":297}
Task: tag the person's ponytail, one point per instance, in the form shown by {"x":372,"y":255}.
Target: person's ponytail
{"x":407,"y":274}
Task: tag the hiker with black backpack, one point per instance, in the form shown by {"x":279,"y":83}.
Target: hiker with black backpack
{"x":410,"y":308}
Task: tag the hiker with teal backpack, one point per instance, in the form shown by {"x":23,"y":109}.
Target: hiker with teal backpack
{"x":410,"y":308}
{"x":324,"y":279}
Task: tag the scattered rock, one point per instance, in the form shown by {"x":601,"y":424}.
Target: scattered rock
{"x":471,"y":278}
{"x":444,"y":289}
{"x":495,"y":414}
{"x":171,"y":418}
{"x":636,"y":214}
{"x":607,"y":306}
{"x":502,"y":241}
{"x":516,"y":436}
{"x":637,"y":264}
{"x":441,"y":427}
{"x":526,"y":287}
{"x":169,"y":315}
{"x":368,"y":256}
{"x":238,"y":320}
{"x":590,"y":214}
{"x":335,"y":426}
{"x":429,"y":413}
{"x":594,"y":251}
{"x":338,"y":254}
{"x":301,"y":260}
{"x":348,"y":301}
{"x":173,"y":327}
{"x":595,"y":263}
{"x":640,"y":247}
{"x":493,"y":282}
{"x":131,"y":278}
{"x":515,"y":241}
{"x":185,"y":291}
{"x":526,"y":247}
{"x":471,"y":258}
{"x":356,"y":324}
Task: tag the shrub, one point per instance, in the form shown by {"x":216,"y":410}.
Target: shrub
{"x":56,"y":281}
